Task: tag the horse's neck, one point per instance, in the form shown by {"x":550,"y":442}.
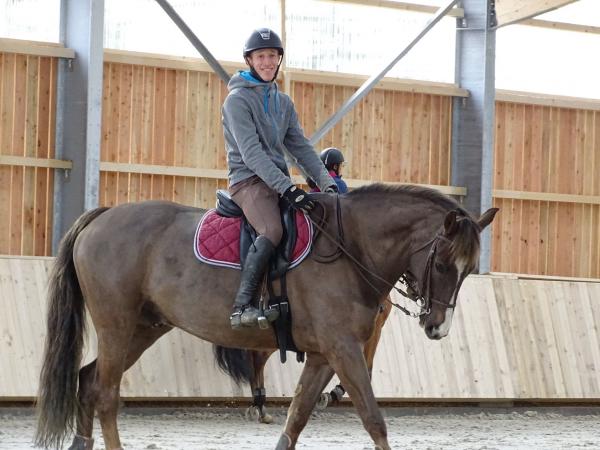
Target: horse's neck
{"x":383,"y":235}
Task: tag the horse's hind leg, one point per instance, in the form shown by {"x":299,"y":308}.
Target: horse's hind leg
{"x":146,"y":333}
{"x":257,"y":384}
{"x":371,"y":344}
{"x":315,"y":376}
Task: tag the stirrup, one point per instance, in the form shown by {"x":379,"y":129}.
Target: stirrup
{"x":244,"y":316}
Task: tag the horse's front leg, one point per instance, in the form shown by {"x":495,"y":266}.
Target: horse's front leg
{"x":348,"y":361}
{"x":315,"y":376}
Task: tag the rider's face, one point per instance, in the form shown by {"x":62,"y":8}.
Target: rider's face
{"x":265,"y":62}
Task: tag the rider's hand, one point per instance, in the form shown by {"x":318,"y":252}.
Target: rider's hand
{"x":332,"y":189}
{"x":299,"y":199}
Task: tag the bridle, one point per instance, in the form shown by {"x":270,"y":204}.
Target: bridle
{"x":423,"y":299}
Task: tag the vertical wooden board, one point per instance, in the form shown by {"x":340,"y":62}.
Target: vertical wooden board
{"x":375,"y":145}
{"x":17,"y":143}
{"x":170,"y":105}
{"x":552,"y":237}
{"x":395,"y":164}
{"x":496,"y":256}
{"x":213,"y":148}
{"x":547,"y":147}
{"x":159,"y":119}
{"x":535,"y":157}
{"x":179,"y":145}
{"x":595,"y":242}
{"x":542,"y":374}
{"x":577,"y":152}
{"x":42,"y":187}
{"x":407,"y":131}
{"x":7,"y":62}
{"x":562,"y":330}
{"x":125,"y":129}
{"x":414,"y":155}
{"x":499,"y":145}
{"x":533,"y":237}
{"x":508,"y":308}
{"x":106,"y":112}
{"x":566,"y":146}
{"x":509,"y":162}
{"x":586,"y":338}
{"x":446,"y":134}
{"x":424,"y":139}
{"x":136,"y":104}
{"x":507,"y":217}
{"x":192,"y":132}
{"x":435,"y":153}
{"x":555,"y":386}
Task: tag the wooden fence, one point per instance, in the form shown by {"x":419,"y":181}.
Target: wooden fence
{"x":511,"y":339}
{"x":161,"y":139}
{"x":547,"y":158}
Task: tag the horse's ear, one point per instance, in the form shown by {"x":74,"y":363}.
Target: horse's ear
{"x":487,"y":217}
{"x":450,"y":223}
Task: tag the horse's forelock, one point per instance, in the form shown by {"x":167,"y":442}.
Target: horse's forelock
{"x":465,"y":244}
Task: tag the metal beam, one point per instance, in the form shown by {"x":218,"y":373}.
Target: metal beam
{"x":512,"y":11}
{"x":373,"y":80}
{"x":473,"y":116}
{"x":78,"y":112}
{"x":206,"y":54}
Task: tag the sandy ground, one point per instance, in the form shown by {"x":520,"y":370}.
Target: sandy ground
{"x":340,"y":428}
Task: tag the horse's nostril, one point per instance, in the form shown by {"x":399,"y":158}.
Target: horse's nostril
{"x":429,"y":330}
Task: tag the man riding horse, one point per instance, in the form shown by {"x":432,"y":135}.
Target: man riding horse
{"x":260,"y":124}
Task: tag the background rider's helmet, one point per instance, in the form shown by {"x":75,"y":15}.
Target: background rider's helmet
{"x":331,"y":156}
{"x":262,"y":38}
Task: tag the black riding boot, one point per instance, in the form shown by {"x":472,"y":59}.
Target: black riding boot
{"x":244,"y":313}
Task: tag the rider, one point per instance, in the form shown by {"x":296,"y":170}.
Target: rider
{"x":332,"y":158}
{"x":259,"y":124}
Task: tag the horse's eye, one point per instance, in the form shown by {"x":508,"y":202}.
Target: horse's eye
{"x":441,"y":268}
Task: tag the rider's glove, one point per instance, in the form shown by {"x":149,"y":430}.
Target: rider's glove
{"x":332,"y":189}
{"x":299,"y":199}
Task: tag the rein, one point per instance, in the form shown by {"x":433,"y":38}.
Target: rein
{"x":422,"y":300}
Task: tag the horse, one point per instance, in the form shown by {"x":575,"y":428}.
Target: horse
{"x":132,"y":268}
{"x":251,"y":368}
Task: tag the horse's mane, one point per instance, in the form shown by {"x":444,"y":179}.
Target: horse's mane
{"x":465,"y":244}
{"x":421,"y":192}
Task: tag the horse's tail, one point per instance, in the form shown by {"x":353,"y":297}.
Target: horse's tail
{"x":234,"y":362}
{"x":57,"y":396}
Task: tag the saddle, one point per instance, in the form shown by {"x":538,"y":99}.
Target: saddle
{"x":223,"y":238}
{"x":283,"y":256}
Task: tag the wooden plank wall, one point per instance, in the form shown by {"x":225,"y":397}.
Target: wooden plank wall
{"x":27,"y":124}
{"x":512,"y":339}
{"x":171,"y":117}
{"x":165,"y":117}
{"x":551,"y":150}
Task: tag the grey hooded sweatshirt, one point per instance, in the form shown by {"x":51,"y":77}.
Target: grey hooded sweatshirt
{"x":259,"y":122}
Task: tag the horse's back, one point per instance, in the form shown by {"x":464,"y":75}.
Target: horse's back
{"x":120,"y":241}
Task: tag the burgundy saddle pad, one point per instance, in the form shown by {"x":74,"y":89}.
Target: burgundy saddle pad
{"x":217,"y":240}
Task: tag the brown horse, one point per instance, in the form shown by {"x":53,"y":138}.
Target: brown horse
{"x":134,"y":270}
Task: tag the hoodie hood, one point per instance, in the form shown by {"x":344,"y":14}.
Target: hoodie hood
{"x":244,"y":78}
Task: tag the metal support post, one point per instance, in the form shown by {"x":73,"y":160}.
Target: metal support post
{"x":473,"y":117}
{"x":78,"y":112}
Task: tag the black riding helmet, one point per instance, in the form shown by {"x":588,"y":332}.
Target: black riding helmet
{"x":259,"y":39}
{"x":332,"y":156}
{"x":263,"y":38}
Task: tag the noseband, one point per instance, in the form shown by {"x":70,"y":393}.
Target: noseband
{"x":423,"y":300}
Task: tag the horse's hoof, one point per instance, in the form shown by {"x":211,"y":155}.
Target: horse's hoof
{"x":253,"y":414}
{"x":324,"y":401}
{"x":266,"y":418}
